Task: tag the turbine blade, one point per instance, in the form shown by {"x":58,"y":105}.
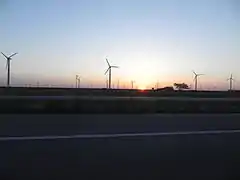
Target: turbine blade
{"x":12,"y":55}
{"x":115,"y":66}
{"x":6,"y":64}
{"x":200,"y":74}
{"x":107,"y":62}
{"x":194,"y":72}
{"x":4,"y":55}
{"x":107,"y":70}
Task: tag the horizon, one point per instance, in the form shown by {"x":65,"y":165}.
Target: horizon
{"x":151,"y":41}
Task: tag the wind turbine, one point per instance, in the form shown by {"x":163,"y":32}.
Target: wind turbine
{"x":230,"y":82}
{"x":118,"y":84}
{"x":106,"y":83}
{"x":196,"y":79}
{"x":8,"y":58}
{"x":110,"y":73}
{"x":157,"y":84}
{"x":132,"y":82}
{"x":79,"y":81}
{"x":76,"y":80}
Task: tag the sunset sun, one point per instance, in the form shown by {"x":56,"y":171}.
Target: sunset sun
{"x":142,"y":88}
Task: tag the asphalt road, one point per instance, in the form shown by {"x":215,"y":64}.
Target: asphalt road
{"x":165,"y":146}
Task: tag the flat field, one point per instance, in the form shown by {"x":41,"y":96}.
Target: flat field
{"x":52,"y":100}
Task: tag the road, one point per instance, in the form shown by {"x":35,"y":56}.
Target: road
{"x":120,"y":146}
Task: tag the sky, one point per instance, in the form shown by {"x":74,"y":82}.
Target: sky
{"x":150,"y":40}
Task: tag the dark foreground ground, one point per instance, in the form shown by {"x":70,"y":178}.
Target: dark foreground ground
{"x":162,"y":92}
{"x":115,"y":101}
{"x":117,"y":104}
{"x":188,"y":156}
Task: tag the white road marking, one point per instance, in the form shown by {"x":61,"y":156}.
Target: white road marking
{"x":95,"y":136}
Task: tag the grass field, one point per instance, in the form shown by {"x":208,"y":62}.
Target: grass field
{"x":178,"y":101}
{"x":127,"y":105}
{"x":24,"y":91}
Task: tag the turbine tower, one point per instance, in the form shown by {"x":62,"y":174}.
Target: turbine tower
{"x":8,"y":58}
{"x":132,"y":83}
{"x":79,"y":81}
{"x":118,"y":84}
{"x":230,"y":82}
{"x":196,"y":79}
{"x":109,"y":70}
{"x":76,"y":80}
{"x":157,"y":84}
{"x":106,"y":83}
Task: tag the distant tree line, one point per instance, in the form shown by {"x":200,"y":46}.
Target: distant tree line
{"x":181,"y":86}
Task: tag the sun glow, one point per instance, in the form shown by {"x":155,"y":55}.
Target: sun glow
{"x":142,"y":88}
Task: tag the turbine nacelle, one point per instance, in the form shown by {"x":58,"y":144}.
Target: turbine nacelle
{"x":231,"y":78}
{"x":109,"y":66}
{"x":196,"y":75}
{"x":9,"y":57}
